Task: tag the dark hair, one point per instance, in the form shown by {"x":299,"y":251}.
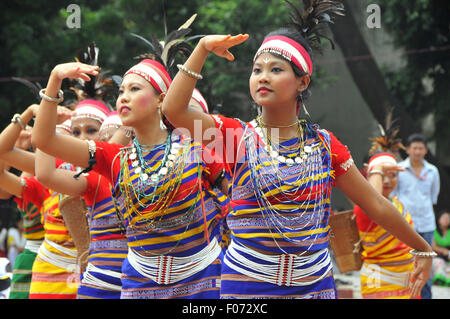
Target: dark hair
{"x":297,"y":37}
{"x":416,"y":138}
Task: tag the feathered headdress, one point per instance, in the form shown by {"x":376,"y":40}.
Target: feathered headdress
{"x":34,"y":87}
{"x":387,"y":141}
{"x":175,"y":42}
{"x":310,"y":23}
{"x":99,"y":86}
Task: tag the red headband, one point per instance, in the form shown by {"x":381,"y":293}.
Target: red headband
{"x":289,"y":49}
{"x":154,"y":73}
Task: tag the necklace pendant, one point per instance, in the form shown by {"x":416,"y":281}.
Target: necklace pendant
{"x":274,"y":154}
{"x":135,"y":163}
{"x":132,"y":156}
{"x":163,"y":171}
{"x":281,"y":159}
{"x":138,"y":170}
{"x":289,"y":161}
{"x":307,"y":149}
{"x":154,"y":178}
{"x":144,"y":177}
{"x":298,"y":160}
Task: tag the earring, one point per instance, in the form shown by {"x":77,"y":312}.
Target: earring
{"x":306,"y":111}
{"x":161,"y":122}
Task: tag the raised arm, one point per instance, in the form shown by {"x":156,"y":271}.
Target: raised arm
{"x":176,"y":103}
{"x":9,"y":182}
{"x":380,"y":210}
{"x":59,"y":180}
{"x":67,"y":148}
{"x":21,"y":159}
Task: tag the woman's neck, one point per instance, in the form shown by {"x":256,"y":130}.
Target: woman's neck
{"x":283,"y":122}
{"x":150,"y":134}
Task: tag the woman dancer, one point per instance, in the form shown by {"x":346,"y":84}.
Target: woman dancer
{"x":159,"y":187}
{"x":107,"y":242}
{"x":388,"y":263}
{"x":55,"y":263}
{"x":33,"y":231}
{"x":281,"y":191}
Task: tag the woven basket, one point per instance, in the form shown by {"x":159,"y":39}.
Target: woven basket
{"x":345,"y":241}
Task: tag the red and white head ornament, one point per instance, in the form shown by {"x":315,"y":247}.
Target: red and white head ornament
{"x":113,"y":120}
{"x":66,"y":126}
{"x":289,"y":49}
{"x":381,"y":158}
{"x":92,"y":109}
{"x":154,"y":73}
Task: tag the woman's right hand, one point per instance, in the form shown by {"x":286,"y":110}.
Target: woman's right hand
{"x":220,"y":44}
{"x":74,"y":70}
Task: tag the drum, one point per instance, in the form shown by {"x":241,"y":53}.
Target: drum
{"x":345,"y":241}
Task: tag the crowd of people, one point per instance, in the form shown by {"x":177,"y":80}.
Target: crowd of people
{"x":157,"y":198}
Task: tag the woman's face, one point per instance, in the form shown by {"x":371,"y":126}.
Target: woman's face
{"x":444,"y":220}
{"x":85,"y":128}
{"x":273,"y":82}
{"x":390,"y":181}
{"x":137,"y":100}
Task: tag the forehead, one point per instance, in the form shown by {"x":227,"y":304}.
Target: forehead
{"x":83,"y":121}
{"x":270,"y":58}
{"x":417,"y":144}
{"x":134,"y":78}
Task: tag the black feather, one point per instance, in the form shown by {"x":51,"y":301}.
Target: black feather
{"x":34,"y":87}
{"x":310,"y":21}
{"x":99,"y":86}
{"x":167,"y":51}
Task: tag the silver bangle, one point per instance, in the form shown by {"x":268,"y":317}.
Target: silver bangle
{"x":190,"y":73}
{"x":376,"y":171}
{"x":59,"y":99}
{"x":16,"y":119}
{"x":425,"y":254}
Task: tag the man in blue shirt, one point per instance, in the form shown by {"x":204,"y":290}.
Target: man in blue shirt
{"x":418,"y":189}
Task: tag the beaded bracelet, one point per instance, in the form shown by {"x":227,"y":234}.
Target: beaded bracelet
{"x":59,"y":99}
{"x":426,"y":254}
{"x":190,"y":73}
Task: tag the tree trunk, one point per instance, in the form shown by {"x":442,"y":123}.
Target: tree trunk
{"x":370,"y":82}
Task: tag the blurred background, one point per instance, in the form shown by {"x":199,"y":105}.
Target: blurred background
{"x":388,"y":55}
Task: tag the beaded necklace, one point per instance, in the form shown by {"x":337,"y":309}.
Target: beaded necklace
{"x":291,"y":181}
{"x":148,"y":198}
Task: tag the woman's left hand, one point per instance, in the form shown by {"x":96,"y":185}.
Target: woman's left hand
{"x":420,"y":275}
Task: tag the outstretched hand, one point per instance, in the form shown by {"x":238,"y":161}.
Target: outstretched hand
{"x":420,"y":275}
{"x":75,"y":70}
{"x":220,"y":44}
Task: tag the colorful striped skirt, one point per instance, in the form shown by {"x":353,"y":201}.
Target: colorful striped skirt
{"x":102,"y":276}
{"x":385,"y":282}
{"x":21,"y":278}
{"x":204,"y":284}
{"x":54,"y":273}
{"x":248,"y":274}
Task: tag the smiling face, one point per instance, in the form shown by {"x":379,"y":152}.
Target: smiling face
{"x":273,"y":82}
{"x":85,"y":128}
{"x":138,"y":100}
